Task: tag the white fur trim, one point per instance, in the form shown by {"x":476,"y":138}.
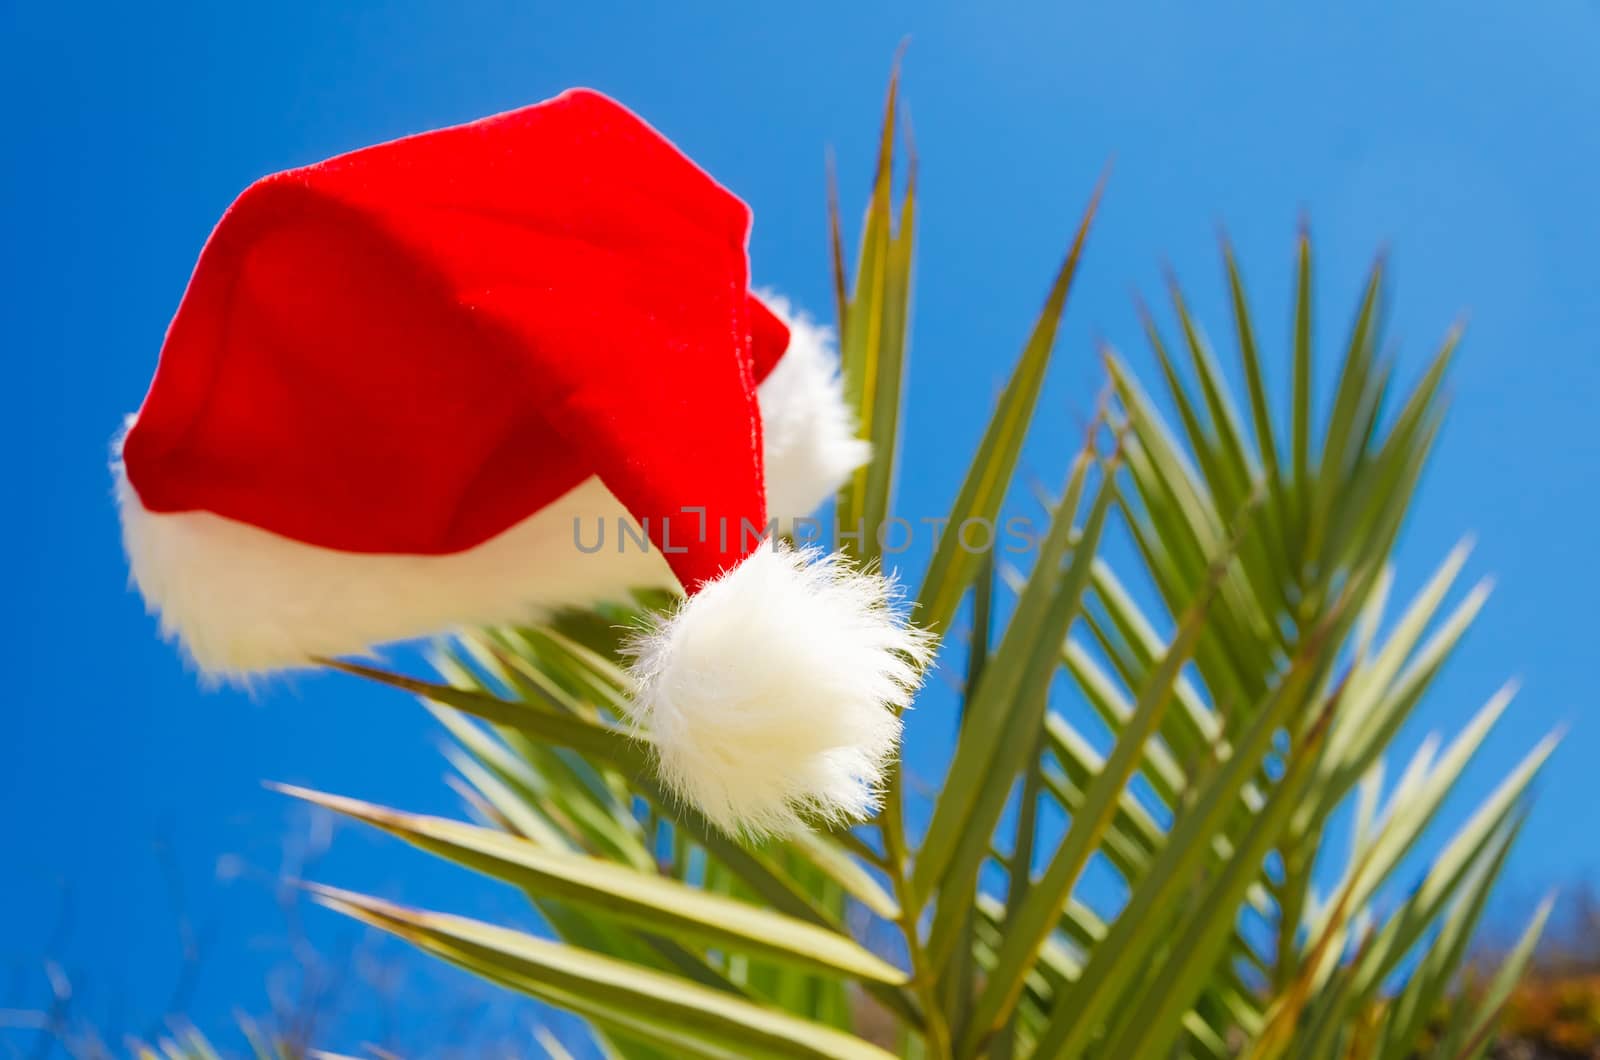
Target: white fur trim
{"x":242,"y":599}
{"x":811,"y":446}
{"x":773,"y":694}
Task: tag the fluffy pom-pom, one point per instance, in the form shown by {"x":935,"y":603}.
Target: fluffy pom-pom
{"x":773,"y":694}
{"x":810,"y":439}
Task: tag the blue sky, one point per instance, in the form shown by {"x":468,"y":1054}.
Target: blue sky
{"x":1461,"y":137}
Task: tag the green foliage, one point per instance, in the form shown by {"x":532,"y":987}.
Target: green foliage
{"x":187,"y":1043}
{"x":1239,"y":737}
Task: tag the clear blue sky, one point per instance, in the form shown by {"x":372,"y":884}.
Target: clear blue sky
{"x":1461,"y":136}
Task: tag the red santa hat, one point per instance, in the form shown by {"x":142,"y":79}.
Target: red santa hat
{"x":407,"y":387}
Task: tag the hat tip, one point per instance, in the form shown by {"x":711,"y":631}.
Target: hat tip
{"x":772,"y":696}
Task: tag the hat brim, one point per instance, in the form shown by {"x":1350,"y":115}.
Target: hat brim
{"x":243,"y":600}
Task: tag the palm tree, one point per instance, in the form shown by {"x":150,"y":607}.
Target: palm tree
{"x":1239,"y":737}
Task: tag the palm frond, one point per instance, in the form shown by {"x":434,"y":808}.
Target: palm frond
{"x":1237,"y":741}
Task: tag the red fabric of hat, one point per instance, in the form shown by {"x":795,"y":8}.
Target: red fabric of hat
{"x":410,"y":348}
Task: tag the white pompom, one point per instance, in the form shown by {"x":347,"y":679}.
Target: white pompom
{"x":773,"y":694}
{"x":810,"y":439}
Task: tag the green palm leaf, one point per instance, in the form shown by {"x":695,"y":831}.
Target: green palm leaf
{"x":1251,"y":694}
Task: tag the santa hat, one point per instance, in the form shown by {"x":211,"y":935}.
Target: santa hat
{"x":454,"y":379}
